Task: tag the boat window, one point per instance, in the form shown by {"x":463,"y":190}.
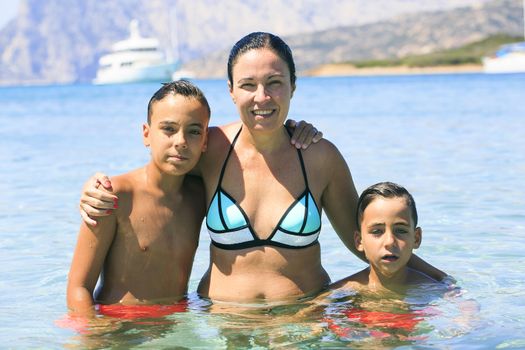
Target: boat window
{"x":125,"y":64}
{"x":139,"y":49}
{"x":144,"y":49}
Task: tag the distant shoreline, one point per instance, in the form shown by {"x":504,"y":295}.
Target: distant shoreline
{"x":328,"y":70}
{"x":341,"y":69}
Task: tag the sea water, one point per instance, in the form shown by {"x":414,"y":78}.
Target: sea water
{"x":457,"y":142}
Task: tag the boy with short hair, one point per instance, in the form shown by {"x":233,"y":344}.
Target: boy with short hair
{"x":387,"y":233}
{"x":144,"y":253}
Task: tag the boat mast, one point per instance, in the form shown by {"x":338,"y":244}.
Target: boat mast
{"x":174,"y":54}
{"x":134,"y":31}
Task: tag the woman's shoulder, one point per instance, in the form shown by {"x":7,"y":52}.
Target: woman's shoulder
{"x":323,"y":152}
{"x":217,"y":133}
{"x":221,"y":136}
{"x":218,"y":143}
{"x":324,"y":145}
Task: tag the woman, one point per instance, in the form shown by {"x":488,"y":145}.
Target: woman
{"x":265,"y":197}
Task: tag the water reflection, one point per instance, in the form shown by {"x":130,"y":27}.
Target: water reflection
{"x":340,"y":318}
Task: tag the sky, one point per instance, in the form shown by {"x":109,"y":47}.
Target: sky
{"x":8,"y":10}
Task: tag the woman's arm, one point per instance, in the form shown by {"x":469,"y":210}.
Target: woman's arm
{"x":339,"y":198}
{"x":91,"y":250}
{"x":421,"y":265}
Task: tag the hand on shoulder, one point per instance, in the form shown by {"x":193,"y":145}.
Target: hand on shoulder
{"x":97,"y":198}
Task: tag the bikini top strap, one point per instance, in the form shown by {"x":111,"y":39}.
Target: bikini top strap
{"x":299,"y":152}
{"x":228,"y":157}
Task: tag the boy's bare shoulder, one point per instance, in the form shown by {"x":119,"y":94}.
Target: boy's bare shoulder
{"x":356,"y":281}
{"x":127,"y":182}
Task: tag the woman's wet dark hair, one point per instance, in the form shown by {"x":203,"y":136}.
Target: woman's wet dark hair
{"x":385,"y":190}
{"x":180,"y":87}
{"x":261,"y":40}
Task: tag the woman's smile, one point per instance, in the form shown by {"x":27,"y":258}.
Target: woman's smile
{"x":261,"y":114}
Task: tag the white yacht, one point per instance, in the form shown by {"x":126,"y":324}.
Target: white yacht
{"x":136,"y":59}
{"x":509,"y":58}
{"x":183,"y":74}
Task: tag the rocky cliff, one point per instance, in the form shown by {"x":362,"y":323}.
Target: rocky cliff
{"x":397,"y":37}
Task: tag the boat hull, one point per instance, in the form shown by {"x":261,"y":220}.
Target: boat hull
{"x":510,"y":63}
{"x":136,"y":74}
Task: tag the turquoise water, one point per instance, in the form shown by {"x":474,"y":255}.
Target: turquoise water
{"x":455,"y":141}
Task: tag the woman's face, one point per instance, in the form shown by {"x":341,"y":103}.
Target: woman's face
{"x":261,"y":89}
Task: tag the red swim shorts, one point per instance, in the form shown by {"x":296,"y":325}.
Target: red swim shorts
{"x":133,"y":312}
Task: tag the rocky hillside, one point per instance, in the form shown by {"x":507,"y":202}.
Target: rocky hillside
{"x":415,"y":34}
{"x":55,"y":41}
{"x":398,"y":37}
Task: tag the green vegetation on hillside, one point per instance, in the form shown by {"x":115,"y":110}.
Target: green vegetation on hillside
{"x":468,"y":54}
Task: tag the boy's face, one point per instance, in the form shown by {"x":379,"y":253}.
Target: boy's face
{"x":177,"y":134}
{"x":387,"y":235}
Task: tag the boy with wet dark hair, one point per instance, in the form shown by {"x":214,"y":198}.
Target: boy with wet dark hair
{"x":144,"y":253}
{"x":387,"y":233}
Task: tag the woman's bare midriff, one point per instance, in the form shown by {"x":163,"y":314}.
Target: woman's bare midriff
{"x":263,"y":273}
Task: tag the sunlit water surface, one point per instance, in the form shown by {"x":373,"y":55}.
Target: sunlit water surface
{"x":455,"y":141}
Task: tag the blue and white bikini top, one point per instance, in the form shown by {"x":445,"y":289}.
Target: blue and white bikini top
{"x":230,"y":228}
